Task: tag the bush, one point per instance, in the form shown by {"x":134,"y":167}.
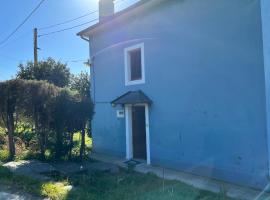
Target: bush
{"x":2,"y":140}
{"x":2,"y":131}
{"x":2,"y":136}
{"x":25,"y":132}
{"x":54,"y":191}
{"x":4,"y":155}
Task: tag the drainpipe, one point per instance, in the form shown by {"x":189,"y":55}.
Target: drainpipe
{"x":84,"y":38}
{"x":91,"y":64}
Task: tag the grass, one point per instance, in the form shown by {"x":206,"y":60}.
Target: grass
{"x":31,"y":186}
{"x":77,"y":141}
{"x":127,"y":185}
{"x":134,"y":186}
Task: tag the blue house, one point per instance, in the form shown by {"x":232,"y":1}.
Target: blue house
{"x":184,"y":85}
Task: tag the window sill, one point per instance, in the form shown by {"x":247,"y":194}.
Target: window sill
{"x":137,"y":82}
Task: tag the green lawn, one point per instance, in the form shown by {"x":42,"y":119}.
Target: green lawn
{"x":127,"y":185}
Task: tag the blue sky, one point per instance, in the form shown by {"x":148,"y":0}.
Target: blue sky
{"x":65,"y":46}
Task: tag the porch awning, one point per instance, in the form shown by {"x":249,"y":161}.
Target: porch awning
{"x":132,"y":97}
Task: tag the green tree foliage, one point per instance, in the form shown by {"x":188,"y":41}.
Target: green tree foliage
{"x":48,"y":105}
{"x":71,"y":114}
{"x":62,"y":116}
{"x":39,"y":99}
{"x":50,"y":70}
{"x":81,"y":83}
{"x":10,"y":101}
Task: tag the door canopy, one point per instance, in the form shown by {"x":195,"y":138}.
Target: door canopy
{"x":132,"y":97}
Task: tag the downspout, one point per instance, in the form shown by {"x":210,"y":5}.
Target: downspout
{"x":84,"y":38}
{"x":91,"y":63}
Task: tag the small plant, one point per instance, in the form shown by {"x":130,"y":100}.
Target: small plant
{"x":54,"y":191}
{"x":4,"y":155}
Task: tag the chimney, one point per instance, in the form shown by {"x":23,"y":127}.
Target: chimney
{"x":106,"y":9}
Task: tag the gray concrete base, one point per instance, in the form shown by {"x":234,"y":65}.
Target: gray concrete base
{"x":8,"y":196}
{"x":203,"y":183}
{"x":33,"y":169}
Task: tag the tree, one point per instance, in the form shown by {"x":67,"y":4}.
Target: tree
{"x":81,"y":83}
{"x":38,"y":105}
{"x":61,"y":116}
{"x":50,"y":70}
{"x":85,"y":109}
{"x":71,"y":114}
{"x":11,"y":93}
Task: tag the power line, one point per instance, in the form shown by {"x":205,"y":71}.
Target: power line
{"x":21,"y":24}
{"x":71,"y":20}
{"x":65,"y":29}
{"x":67,"y":21}
{"x":76,"y":61}
{"x":118,"y":1}
{"x":11,"y":58}
{"x":16,"y":39}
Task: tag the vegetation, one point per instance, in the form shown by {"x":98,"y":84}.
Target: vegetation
{"x":31,"y":186}
{"x":50,"y":70}
{"x":45,"y":113}
{"x":105,"y":186}
{"x":41,"y":110}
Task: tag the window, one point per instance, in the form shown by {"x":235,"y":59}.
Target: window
{"x":134,"y":65}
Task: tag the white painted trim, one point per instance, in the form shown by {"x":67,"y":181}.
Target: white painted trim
{"x":129,"y":142}
{"x":127,"y":64}
{"x":129,"y":146}
{"x":147,"y":134}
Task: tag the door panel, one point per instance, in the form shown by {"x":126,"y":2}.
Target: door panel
{"x":139,"y":132}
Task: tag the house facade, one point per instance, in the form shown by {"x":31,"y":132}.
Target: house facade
{"x":184,"y":85}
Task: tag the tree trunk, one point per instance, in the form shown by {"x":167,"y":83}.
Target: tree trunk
{"x":70,"y":146}
{"x":10,"y":127}
{"x":41,"y":139}
{"x":42,"y":145}
{"x":82,"y":148}
{"x":59,"y":144}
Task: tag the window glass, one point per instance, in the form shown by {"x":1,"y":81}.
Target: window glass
{"x":135,"y":65}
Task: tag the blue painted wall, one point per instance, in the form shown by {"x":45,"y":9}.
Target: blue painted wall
{"x":205,"y":74}
{"x":265,"y":12}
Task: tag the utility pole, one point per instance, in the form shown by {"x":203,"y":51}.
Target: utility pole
{"x":35,"y":47}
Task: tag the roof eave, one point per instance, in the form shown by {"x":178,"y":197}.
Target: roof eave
{"x":88,"y":31}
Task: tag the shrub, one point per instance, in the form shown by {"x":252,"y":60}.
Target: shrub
{"x":2,"y":131}
{"x":54,"y":191}
{"x":4,"y":155}
{"x":25,"y":132}
{"x":2,"y":136}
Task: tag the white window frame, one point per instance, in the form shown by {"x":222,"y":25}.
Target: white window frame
{"x":128,"y":80}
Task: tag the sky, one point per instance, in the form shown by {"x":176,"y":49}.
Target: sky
{"x":66,"y":46}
